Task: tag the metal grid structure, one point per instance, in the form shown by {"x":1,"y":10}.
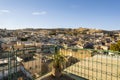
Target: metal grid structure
{"x":101,"y":65}
{"x":83,"y":63}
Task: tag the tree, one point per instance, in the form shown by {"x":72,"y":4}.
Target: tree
{"x":24,"y":39}
{"x":57,"y":63}
{"x":115,"y":47}
{"x":118,"y":43}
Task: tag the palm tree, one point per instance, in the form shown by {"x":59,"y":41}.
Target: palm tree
{"x":57,"y":63}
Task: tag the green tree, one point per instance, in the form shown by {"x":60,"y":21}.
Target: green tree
{"x":118,"y":43}
{"x":57,"y":63}
{"x":115,"y":47}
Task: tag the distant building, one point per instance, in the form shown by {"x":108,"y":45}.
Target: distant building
{"x":27,"y":43}
{"x":8,"y":39}
{"x":5,"y":71}
{"x":105,"y":47}
{"x":0,"y":45}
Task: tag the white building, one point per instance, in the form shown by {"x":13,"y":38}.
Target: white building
{"x":8,"y":39}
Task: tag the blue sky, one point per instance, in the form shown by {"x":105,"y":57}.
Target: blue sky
{"x":100,"y":14}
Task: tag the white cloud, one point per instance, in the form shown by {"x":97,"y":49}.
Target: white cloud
{"x":39,"y":13}
{"x":4,"y":11}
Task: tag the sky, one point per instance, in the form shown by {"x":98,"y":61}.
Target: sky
{"x":97,"y":14}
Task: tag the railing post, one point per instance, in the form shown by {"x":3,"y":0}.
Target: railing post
{"x":56,"y":49}
{"x":16,"y":64}
{"x":9,"y":63}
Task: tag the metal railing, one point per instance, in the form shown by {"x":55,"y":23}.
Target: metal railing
{"x":94,"y":64}
{"x":31,"y":63}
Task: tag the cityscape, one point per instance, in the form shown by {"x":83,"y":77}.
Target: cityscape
{"x":30,"y":51}
{"x":59,"y":40}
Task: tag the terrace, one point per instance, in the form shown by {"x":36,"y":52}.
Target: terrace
{"x":82,"y":64}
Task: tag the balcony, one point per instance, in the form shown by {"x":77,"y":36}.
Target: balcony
{"x":82,"y":64}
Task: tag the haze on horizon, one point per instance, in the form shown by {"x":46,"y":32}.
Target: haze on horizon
{"x":99,"y":14}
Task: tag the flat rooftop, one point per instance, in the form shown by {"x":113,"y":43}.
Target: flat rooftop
{"x":100,"y":67}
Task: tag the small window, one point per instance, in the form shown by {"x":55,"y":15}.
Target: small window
{"x":30,"y":68}
{"x":36,"y":66}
